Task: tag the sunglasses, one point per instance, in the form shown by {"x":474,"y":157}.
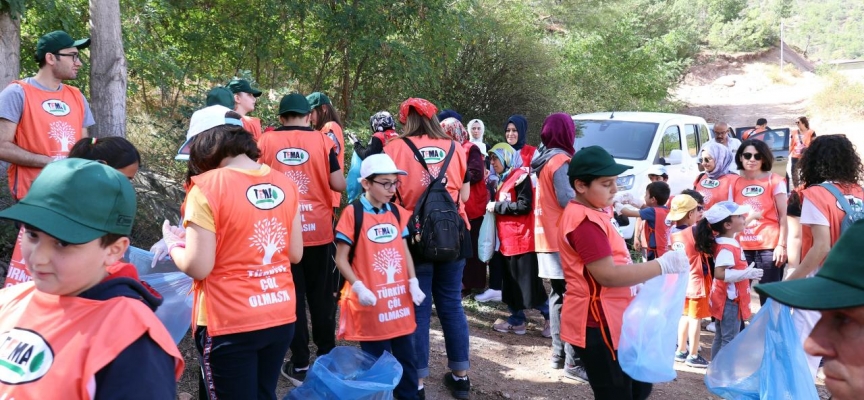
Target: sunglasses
{"x":701,"y":160}
{"x":756,"y":156}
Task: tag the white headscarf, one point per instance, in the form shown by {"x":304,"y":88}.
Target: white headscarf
{"x":478,"y":142}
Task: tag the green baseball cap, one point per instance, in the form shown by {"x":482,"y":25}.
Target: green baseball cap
{"x":294,"y":102}
{"x":316,"y":99}
{"x":77,"y":201}
{"x":220,"y":96}
{"x":56,"y":41}
{"x":839,"y":284}
{"x":242,"y":85}
{"x":595,"y":161}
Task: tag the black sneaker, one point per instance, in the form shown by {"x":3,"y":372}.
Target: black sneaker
{"x":576,"y":372}
{"x":696,"y":362}
{"x":421,"y":394}
{"x":296,"y":377}
{"x":459,"y":389}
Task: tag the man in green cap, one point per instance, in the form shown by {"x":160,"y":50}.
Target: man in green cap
{"x":309,"y":159}
{"x":245,"y":97}
{"x":40,"y":117}
{"x":837,"y":292}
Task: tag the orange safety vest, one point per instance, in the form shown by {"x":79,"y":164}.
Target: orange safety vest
{"x":746,"y":135}
{"x":717,"y":300}
{"x":828,"y":206}
{"x":798,"y":142}
{"x":715,"y":190}
{"x":660,"y":231}
{"x":381,"y":263}
{"x":578,"y":301}
{"x":253,"y":126}
{"x":57,"y":344}
{"x":386,"y":136}
{"x":515,"y":232}
{"x":759,"y":195}
{"x":251,"y":286}
{"x":304,"y":157}
{"x":684,"y":240}
{"x":17,"y":272}
{"x":51,"y":122}
{"x":547,"y":211}
{"x":334,"y":132}
{"x":434,"y":151}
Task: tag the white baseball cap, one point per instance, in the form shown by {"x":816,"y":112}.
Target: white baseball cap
{"x":204,"y":119}
{"x":378,"y":164}
{"x":723,"y":210}
{"x":657,"y":170}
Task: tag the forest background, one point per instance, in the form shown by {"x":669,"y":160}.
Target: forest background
{"x":155,"y":59}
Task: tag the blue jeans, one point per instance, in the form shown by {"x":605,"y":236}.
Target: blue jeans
{"x":441,"y":283}
{"x":727,"y":328}
{"x":402,"y":348}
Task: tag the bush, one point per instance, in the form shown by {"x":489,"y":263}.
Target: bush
{"x":841,"y":97}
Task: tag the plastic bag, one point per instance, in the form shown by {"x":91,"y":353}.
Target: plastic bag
{"x":488,"y":236}
{"x":650,"y":329}
{"x":349,"y":373}
{"x":765,"y":361}
{"x":353,"y":187}
{"x":174,"y":286}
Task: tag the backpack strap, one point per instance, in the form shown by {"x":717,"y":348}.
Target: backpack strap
{"x":358,"y":225}
{"x":422,"y":160}
{"x":841,"y":198}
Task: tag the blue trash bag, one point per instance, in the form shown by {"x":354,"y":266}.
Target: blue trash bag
{"x":353,"y":185}
{"x":765,"y":361}
{"x":488,"y":237}
{"x":349,"y":373}
{"x":650,"y":329}
{"x":174,"y":286}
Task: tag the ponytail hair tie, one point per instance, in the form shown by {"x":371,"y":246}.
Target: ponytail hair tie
{"x":92,"y":141}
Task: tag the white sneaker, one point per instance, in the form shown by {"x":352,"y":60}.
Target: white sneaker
{"x":710,"y":328}
{"x":489,"y":295}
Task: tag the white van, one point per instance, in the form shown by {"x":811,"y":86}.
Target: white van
{"x":643,"y":139}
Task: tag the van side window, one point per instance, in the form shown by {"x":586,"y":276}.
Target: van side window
{"x":704,"y":136}
{"x":692,"y":145}
{"x":671,"y":141}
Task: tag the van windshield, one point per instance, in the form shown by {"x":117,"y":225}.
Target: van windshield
{"x":622,"y":139}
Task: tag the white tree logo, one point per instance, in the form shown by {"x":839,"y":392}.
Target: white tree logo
{"x":300,"y":179}
{"x":388,"y":262}
{"x":427,"y":178}
{"x":755,"y":204}
{"x":706,"y":196}
{"x":269,"y":237}
{"x":63,"y":133}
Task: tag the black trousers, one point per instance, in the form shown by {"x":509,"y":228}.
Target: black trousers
{"x":313,"y":284}
{"x":607,"y":379}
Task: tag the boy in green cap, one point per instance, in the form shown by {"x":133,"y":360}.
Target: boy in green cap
{"x":245,"y":97}
{"x":77,"y":328}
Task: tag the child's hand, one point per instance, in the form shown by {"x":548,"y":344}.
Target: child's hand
{"x":160,"y":251}
{"x":417,"y":295}
{"x":752,"y":272}
{"x":364,"y":295}
{"x":173,"y":236}
{"x":490,"y":207}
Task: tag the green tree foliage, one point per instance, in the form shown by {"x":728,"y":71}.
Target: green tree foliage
{"x":827,"y":29}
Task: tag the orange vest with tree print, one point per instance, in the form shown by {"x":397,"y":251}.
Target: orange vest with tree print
{"x":334,"y":132}
{"x":303,"y":156}
{"x":714,"y":190}
{"x":827,"y":205}
{"x":57,"y":344}
{"x":253,"y":126}
{"x":50,"y":124}
{"x":761,"y":234}
{"x":380,"y":262}
{"x":251,"y":286}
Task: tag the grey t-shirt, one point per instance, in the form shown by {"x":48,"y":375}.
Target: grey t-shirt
{"x":12,"y":102}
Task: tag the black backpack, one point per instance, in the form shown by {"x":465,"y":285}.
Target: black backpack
{"x":358,"y":224}
{"x":436,"y":229}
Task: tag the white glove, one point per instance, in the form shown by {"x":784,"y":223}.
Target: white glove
{"x":738,"y":275}
{"x":417,"y":295}
{"x":160,"y":251}
{"x":365,"y":296}
{"x":490,"y":206}
{"x":618,"y":207}
{"x":674,"y":262}
{"x":173,"y":236}
{"x":351,"y":137}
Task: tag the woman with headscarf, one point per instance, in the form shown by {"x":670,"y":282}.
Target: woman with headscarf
{"x":474,"y":275}
{"x":477,"y":129}
{"x":383,"y":131}
{"x":552,"y":195}
{"x":715,"y":184}
{"x":514,"y":221}
{"x":516,"y":134}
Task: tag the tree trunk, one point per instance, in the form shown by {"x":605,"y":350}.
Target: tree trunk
{"x":10,"y":45}
{"x":108,"y":70}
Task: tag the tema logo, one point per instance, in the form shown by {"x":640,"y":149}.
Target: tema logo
{"x":853,"y":201}
{"x":56,"y":108}
{"x":25,"y":356}
{"x":752,"y":191}
{"x":292,"y":156}
{"x":677,"y":246}
{"x":709,"y":183}
{"x":433,"y":155}
{"x":265,"y":196}
{"x":382,"y":233}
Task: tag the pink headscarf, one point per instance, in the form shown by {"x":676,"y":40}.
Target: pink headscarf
{"x":454,"y":129}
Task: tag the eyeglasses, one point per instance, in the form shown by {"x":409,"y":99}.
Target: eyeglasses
{"x":720,"y":132}
{"x":389,"y":185}
{"x":748,"y":156}
{"x":75,"y":56}
{"x":702,"y":160}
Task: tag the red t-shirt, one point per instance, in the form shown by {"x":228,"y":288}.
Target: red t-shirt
{"x":592,"y":245}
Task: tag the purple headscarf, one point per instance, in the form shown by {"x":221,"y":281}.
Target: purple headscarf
{"x":559,"y":132}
